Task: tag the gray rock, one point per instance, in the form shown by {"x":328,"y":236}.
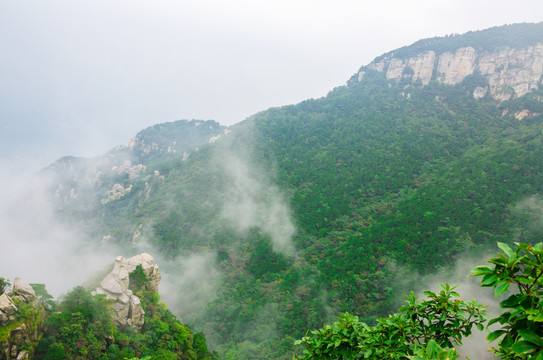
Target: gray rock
{"x":128,"y":309}
{"x":124,"y":298}
{"x":21,"y":287}
{"x":121,"y":313}
{"x":111,"y":283}
{"x":6,"y":305}
{"x":23,"y":355}
{"x":19,"y":334}
{"x":137,"y":315}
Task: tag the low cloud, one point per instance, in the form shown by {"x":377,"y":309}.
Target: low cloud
{"x":40,"y":249}
{"x":189,"y":283}
{"x":531,"y":210}
{"x":252,"y":201}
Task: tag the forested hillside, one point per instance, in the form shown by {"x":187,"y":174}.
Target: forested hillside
{"x":302,"y":212}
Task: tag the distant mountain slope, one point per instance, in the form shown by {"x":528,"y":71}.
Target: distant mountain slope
{"x":304,"y":211}
{"x":180,"y":137}
{"x":74,"y":177}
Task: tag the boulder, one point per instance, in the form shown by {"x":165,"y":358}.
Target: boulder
{"x":115,"y":286}
{"x":112,"y":284}
{"x":6,"y":305}
{"x":22,"y":288}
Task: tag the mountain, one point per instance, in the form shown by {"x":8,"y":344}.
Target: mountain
{"x":338,"y":204}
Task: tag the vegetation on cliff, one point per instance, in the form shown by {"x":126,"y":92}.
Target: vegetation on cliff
{"x":82,"y":327}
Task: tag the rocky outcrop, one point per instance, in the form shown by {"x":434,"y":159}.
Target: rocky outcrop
{"x":23,"y":289}
{"x":510,"y":72}
{"x":116,"y":192}
{"x":115,"y":285}
{"x":21,"y":319}
{"x":7,"y":308}
{"x":73,"y":179}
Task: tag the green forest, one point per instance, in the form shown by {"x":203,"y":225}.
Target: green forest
{"x":324,"y":208}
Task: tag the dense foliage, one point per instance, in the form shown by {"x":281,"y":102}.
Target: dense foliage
{"x":441,"y":318}
{"x":431,"y":329}
{"x":82,"y":328}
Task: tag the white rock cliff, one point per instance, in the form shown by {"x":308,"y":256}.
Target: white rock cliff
{"x":510,"y":72}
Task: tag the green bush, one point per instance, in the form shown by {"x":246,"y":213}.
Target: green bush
{"x":442,"y":318}
{"x":521,"y":332}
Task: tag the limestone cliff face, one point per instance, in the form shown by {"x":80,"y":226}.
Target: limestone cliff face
{"x":510,"y":72}
{"x":128,"y":310}
{"x":21,"y":319}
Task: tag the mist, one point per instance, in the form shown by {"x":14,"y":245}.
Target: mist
{"x":474,"y":346}
{"x":252,"y":201}
{"x":39,"y":248}
{"x":80,"y":77}
{"x":188,"y":283}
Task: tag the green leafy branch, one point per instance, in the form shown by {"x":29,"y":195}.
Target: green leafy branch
{"x":431,"y":325}
{"x":521,"y":333}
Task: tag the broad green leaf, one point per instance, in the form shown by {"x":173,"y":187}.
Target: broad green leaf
{"x":513,"y":300}
{"x":506,"y":249}
{"x":432,"y":348}
{"x":495,"y":334}
{"x":481,"y":270}
{"x":501,"y":288}
{"x":522,"y":347}
{"x":536,"y":315}
{"x":523,"y":280}
{"x":531,"y":337}
{"x":500,"y":260}
{"x":489,"y":279}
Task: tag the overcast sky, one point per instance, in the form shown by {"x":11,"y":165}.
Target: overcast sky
{"x":78,"y":77}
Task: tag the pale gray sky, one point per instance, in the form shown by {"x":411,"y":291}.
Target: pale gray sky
{"x":79,"y":77}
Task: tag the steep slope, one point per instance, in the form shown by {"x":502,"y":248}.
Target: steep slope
{"x":305,"y":211}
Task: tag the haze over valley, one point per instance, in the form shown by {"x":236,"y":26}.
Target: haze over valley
{"x":126,"y":233}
